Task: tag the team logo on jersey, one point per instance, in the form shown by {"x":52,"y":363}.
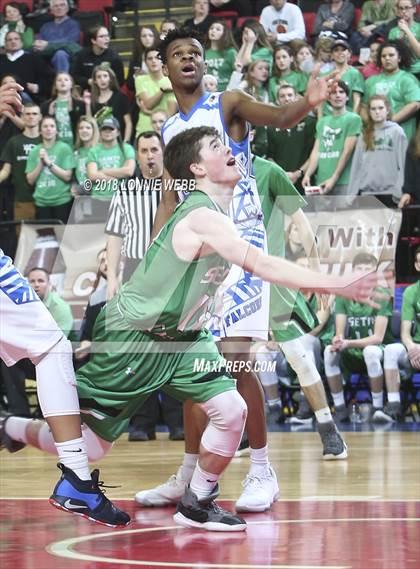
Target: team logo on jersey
{"x":17,"y":288}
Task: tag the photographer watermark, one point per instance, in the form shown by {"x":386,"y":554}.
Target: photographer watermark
{"x":140,"y":185}
{"x":202,"y":365}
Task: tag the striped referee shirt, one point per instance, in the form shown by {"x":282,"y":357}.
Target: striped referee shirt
{"x":131,"y":216}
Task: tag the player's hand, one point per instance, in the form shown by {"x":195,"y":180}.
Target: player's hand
{"x":361,"y":287}
{"x":319,"y":88}
{"x":10,"y":99}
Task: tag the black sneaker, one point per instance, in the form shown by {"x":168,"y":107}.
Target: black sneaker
{"x":304,"y":415}
{"x":85,"y":498}
{"x":334,"y":446}
{"x":206,"y":514}
{"x":5,"y":441}
{"x":341,"y":414}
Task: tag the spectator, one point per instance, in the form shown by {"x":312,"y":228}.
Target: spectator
{"x":97,"y":300}
{"x":166,"y":25}
{"x":243,"y":7}
{"x":341,"y":57}
{"x":220,"y":53}
{"x":334,"y":18}
{"x":158,"y":119}
{"x":210,"y":83}
{"x":86,"y":138}
{"x":411,"y":187}
{"x":201,"y":21}
{"x":60,"y":39}
{"x":378,"y":160}
{"x":361,"y":348}
{"x":14,"y":157}
{"x":302,"y":52}
{"x":147,"y":37}
{"x":372,"y":24}
{"x":283,"y":22}
{"x":401,"y":87}
{"x":322,"y":57}
{"x":336,"y":137}
{"x":60,"y":310}
{"x":108,"y":162}
{"x":49,"y":168}
{"x":408,"y":30}
{"x":403,"y":357}
{"x":14,"y":22}
{"x":97,"y":52}
{"x":28,"y":68}
{"x":153,"y":92}
{"x":64,"y":107}
{"x":290,"y":148}
{"x":283,"y":73}
{"x":106,"y":93}
{"x":370,"y":68}
{"x":254,"y":45}
{"x":294,"y":247}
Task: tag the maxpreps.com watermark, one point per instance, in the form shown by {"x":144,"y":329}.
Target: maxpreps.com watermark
{"x":202,"y":365}
{"x":140,"y":185}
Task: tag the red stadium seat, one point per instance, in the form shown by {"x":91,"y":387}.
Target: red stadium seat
{"x":228,"y":14}
{"x":93,"y":5}
{"x":309,"y":19}
{"x":240,"y":21}
{"x":28,"y":3}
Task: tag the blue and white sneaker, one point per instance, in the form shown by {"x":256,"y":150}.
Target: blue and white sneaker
{"x":85,"y":498}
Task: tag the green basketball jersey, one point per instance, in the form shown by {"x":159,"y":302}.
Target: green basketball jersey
{"x":169,"y":297}
{"x":361,"y":318}
{"x":411,"y":308}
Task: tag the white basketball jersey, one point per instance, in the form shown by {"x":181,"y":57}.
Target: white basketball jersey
{"x":245,"y":299}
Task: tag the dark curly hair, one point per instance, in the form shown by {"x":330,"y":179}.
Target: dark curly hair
{"x":177,"y":160}
{"x":402,"y":50}
{"x":181,"y":34}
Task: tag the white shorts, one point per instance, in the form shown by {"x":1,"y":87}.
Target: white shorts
{"x":27,"y":329}
{"x":244,"y":307}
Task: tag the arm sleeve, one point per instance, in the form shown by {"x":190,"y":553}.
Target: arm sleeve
{"x":402,"y":144}
{"x":340,"y":305}
{"x":115,"y":224}
{"x":319,"y":20}
{"x":345,"y":19}
{"x":408,"y":311}
{"x":356,"y":167}
{"x":118,"y":67}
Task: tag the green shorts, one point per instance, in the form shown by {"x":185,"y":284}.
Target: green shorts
{"x":132,"y":364}
{"x":290,"y":314}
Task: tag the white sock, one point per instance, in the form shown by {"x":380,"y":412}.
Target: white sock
{"x":188,"y":465}
{"x":274,"y":401}
{"x":259,"y":461}
{"x":16,"y":428}
{"x":338,"y":398}
{"x":73,"y":455}
{"x":394,"y":397}
{"x":323,"y":415}
{"x":202,"y":482}
{"x":378,"y":399}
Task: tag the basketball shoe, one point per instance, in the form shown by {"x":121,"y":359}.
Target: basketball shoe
{"x":334,"y":446}
{"x":164,"y":495}
{"x":85,"y":498}
{"x":259,"y":493}
{"x":206,"y":514}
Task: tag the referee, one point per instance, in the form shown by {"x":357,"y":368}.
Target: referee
{"x":132,"y":212}
{"x":129,"y":227}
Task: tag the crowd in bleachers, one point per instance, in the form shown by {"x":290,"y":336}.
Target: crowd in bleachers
{"x":83,"y":114}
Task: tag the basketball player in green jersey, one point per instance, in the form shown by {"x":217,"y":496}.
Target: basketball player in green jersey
{"x":151,"y":334}
{"x":290,"y":315}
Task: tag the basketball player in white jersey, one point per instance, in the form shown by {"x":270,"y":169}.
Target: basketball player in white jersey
{"x":246,"y":298}
{"x":27,"y":330}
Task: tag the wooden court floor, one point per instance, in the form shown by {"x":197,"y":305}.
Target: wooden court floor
{"x":362,"y":513}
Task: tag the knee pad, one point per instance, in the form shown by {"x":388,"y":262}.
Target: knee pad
{"x":227,"y":414}
{"x":265,"y":355}
{"x":331,"y":362}
{"x":96,"y":447}
{"x":373,"y":356}
{"x":394,"y":356}
{"x":301,"y":362}
{"x":56,"y":381}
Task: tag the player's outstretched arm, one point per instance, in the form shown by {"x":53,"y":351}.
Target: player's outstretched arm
{"x":242,"y":106}
{"x":205,"y":230}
